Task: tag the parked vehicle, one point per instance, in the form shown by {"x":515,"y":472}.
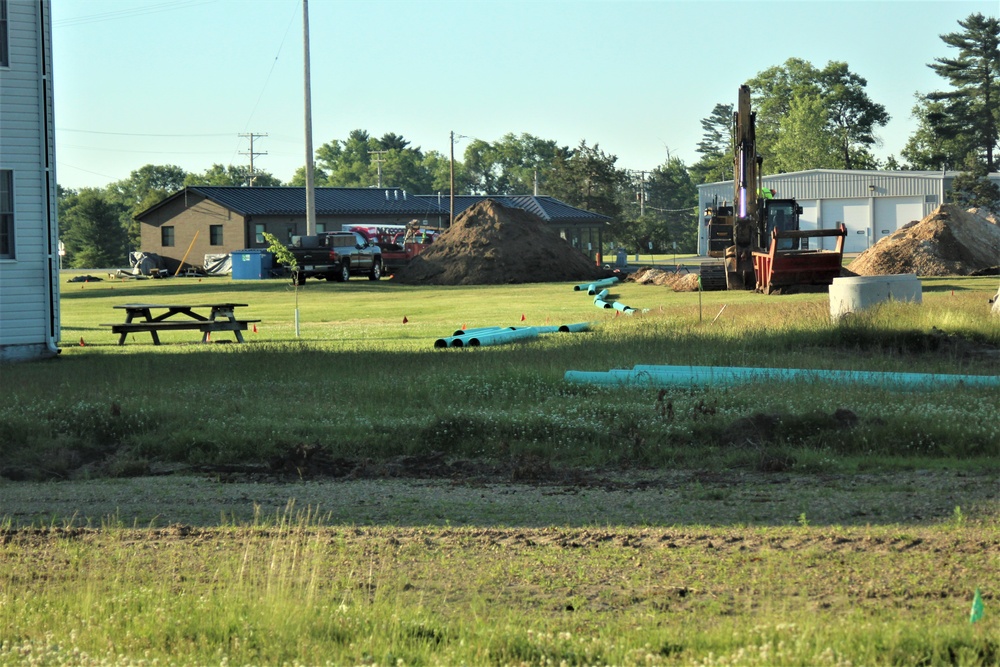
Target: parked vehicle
{"x":335,"y":256}
{"x":399,"y":243}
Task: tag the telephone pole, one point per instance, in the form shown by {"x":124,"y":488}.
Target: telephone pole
{"x":252,"y":153}
{"x":378,"y":159}
{"x":642,"y":192}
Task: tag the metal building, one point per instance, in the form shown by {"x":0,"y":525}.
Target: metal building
{"x":872,"y":204}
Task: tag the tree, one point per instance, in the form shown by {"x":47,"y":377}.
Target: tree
{"x":509,"y":165}
{"x":588,"y":178}
{"x":353,"y":163}
{"x":233,"y":175}
{"x":972,"y":107}
{"x":851,"y":117}
{"x":145,"y":187}
{"x":804,"y":142}
{"x":716,"y":147}
{"x":928,"y":148}
{"x":973,"y":188}
{"x":90,"y":224}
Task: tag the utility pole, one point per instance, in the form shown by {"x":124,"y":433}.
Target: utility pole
{"x":642,"y":192}
{"x":451,"y":188}
{"x":252,"y":154}
{"x":310,"y":176}
{"x":378,"y":163}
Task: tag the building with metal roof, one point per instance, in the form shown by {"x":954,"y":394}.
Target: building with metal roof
{"x":209,"y":220}
{"x":872,"y":204}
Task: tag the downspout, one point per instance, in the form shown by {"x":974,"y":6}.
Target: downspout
{"x":50,"y":210}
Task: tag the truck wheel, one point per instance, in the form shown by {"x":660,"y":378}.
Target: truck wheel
{"x":345,"y":273}
{"x":376,"y":271}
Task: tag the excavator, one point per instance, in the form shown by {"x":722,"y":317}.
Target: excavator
{"x":758,"y":236}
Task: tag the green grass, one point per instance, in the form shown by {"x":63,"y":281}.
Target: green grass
{"x":361,"y":383}
{"x":672,"y":539}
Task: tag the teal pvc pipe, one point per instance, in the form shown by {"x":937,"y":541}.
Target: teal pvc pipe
{"x":603,"y":294}
{"x":617,"y":305}
{"x":728,"y":375}
{"x":601,"y":304}
{"x":575,"y":328}
{"x":590,"y":288}
{"x":502,"y":337}
{"x":469,"y":332}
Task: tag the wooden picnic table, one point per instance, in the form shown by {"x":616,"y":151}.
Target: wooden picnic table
{"x":172,"y":317}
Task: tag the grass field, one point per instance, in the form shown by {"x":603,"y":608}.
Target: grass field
{"x":354,"y":496}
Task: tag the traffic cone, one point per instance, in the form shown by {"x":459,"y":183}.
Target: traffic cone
{"x":463,"y":326}
{"x":523,"y":318}
{"x":82,"y":344}
{"x":255,"y":328}
{"x":405,"y":320}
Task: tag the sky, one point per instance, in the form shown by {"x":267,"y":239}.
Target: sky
{"x":177,"y":81}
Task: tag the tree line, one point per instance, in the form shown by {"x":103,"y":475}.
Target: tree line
{"x":808,"y":117}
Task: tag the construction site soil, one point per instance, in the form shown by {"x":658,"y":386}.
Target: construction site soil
{"x":491,"y":244}
{"x":948,"y":242}
{"x":675,"y":280}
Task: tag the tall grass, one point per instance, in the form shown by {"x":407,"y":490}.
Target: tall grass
{"x":290,"y":590}
{"x":360,"y":383}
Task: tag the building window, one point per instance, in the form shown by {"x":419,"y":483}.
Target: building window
{"x":215,"y":235}
{"x":6,"y":214}
{"x":320,"y":227}
{"x":4,"y":49}
{"x":259,"y":233}
{"x":167,"y":236}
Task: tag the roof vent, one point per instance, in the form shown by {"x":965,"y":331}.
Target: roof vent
{"x":395,"y":195}
{"x":387,"y":195}
{"x":404,"y":195}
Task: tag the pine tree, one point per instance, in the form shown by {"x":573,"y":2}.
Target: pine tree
{"x":972,"y":106}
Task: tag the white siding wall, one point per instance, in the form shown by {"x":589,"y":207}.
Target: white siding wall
{"x":29,"y":315}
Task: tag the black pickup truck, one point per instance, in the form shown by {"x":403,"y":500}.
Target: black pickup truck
{"x":335,"y":256}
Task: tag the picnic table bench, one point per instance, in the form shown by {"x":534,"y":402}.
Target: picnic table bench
{"x":139,"y":317}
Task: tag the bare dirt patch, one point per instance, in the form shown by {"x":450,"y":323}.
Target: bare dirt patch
{"x":678,"y":282}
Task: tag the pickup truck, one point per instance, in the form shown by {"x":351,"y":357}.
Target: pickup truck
{"x":335,"y":256}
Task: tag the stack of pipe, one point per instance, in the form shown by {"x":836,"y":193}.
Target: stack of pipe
{"x":661,"y":376}
{"x":485,"y":336}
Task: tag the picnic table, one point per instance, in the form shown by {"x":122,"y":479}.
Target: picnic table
{"x":139,"y":317}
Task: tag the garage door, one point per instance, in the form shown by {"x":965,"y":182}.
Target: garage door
{"x":854,"y":214}
{"x":891,"y":213}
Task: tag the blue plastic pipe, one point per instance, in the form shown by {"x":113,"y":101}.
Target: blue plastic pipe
{"x":501,"y":337}
{"x":658,"y":376}
{"x":469,"y":332}
{"x":574,"y":328}
{"x":591,"y":288}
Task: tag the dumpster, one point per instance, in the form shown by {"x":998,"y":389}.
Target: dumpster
{"x":252,"y":264}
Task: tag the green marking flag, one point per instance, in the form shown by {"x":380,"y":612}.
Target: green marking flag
{"x":977,"y":608}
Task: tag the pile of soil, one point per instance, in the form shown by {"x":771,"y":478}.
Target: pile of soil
{"x":948,"y":242}
{"x":678,"y":282}
{"x":491,"y":244}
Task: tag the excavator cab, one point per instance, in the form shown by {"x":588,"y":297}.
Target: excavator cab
{"x":783,"y":215}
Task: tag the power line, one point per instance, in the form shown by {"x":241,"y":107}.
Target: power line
{"x":140,"y":134}
{"x":252,"y":154}
{"x":128,"y":13}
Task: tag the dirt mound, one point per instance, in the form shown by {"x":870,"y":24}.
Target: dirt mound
{"x":948,"y":242}
{"x":678,"y":282}
{"x":490,"y":244}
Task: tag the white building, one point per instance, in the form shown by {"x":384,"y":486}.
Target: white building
{"x":872,"y":204}
{"x":29,"y":266}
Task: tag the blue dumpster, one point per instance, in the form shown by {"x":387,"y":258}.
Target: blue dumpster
{"x":252,"y":264}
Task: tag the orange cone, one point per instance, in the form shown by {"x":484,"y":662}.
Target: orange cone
{"x":255,"y":328}
{"x":523,"y":318}
{"x":405,"y":320}
{"x":463,"y":326}
{"x":82,"y":344}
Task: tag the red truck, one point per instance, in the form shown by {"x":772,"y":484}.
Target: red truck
{"x":399,"y":243}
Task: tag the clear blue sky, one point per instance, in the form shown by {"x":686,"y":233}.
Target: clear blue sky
{"x":175,"y":81}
